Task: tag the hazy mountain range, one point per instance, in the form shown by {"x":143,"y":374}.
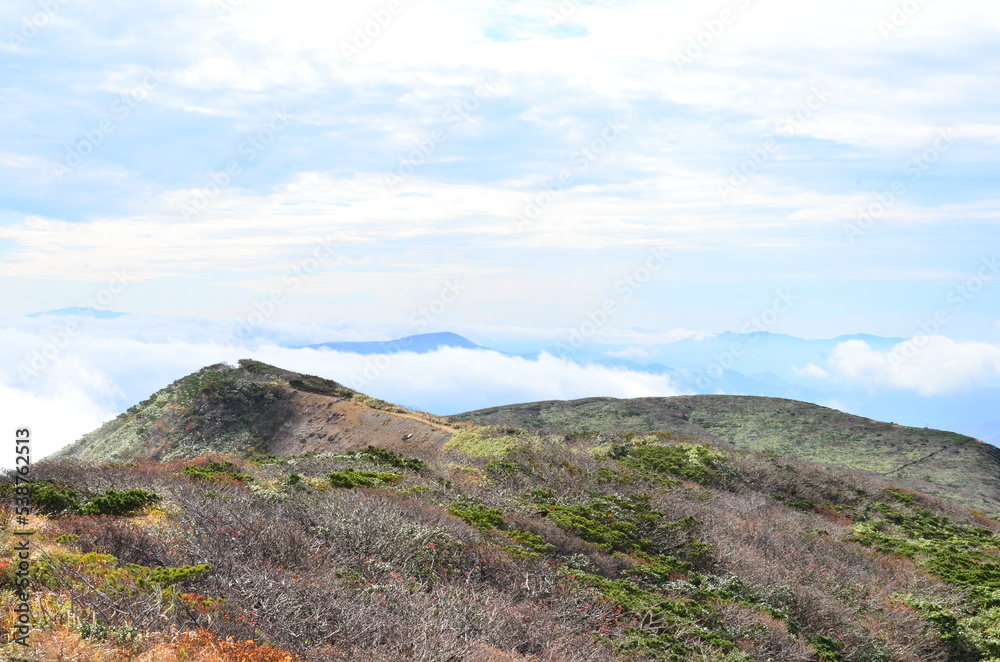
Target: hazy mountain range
{"x":755,"y":363}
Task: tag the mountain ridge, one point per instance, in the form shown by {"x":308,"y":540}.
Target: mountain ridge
{"x":569,"y":537}
{"x":258,"y":409}
{"x":934,"y":461}
{"x":255,"y":409}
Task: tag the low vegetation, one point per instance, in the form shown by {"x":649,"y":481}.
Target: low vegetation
{"x":512,"y":545}
{"x":944,"y":464}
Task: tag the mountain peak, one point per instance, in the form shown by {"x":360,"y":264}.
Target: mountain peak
{"x":256,"y":409}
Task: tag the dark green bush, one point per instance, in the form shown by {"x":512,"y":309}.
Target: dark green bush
{"x":217,"y":471}
{"x":697,"y":463}
{"x":118,"y":503}
{"x":54,"y":500}
{"x":353,"y":478}
{"x":391,"y":458}
{"x":530,"y":540}
{"x":165,"y":576}
{"x":483,"y":518}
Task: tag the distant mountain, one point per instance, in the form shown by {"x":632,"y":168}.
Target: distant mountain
{"x":419,"y":344}
{"x":747,"y":353}
{"x":81,"y":312}
{"x":936,"y":462}
{"x":256,"y":409}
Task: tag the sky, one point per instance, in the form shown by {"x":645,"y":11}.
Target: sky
{"x":632,"y":172}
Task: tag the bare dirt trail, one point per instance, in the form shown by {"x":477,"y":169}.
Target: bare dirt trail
{"x":324,"y":424}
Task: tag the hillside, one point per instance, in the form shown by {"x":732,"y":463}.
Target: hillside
{"x":509,"y":546}
{"x":338,"y":527}
{"x":256,"y":409}
{"x":941,"y":463}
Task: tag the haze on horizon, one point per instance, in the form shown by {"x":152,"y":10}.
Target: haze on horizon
{"x":634,"y":173}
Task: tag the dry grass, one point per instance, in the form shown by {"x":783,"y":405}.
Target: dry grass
{"x":316,"y":573}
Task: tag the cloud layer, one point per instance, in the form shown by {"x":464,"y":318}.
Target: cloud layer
{"x":928,"y":365}
{"x":204,"y":147}
{"x":98,"y":375}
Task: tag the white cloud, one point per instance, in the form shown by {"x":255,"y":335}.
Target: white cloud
{"x":100,"y":373}
{"x":811,"y":371}
{"x":929,"y":365}
{"x":55,"y":417}
{"x":453,"y":380}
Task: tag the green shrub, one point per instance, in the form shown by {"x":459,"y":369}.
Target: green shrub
{"x":320,"y":385}
{"x":390,"y":458}
{"x":483,"y":442}
{"x":530,"y":540}
{"x":54,"y":500}
{"x":353,"y":478}
{"x":99,"y":631}
{"x":255,"y":367}
{"x":697,"y":463}
{"x":118,"y":503}
{"x":164,"y":576}
{"x":612,"y":522}
{"x":483,"y":518}
{"x":657,"y":621}
{"x":215,"y":471}
{"x":961,"y":555}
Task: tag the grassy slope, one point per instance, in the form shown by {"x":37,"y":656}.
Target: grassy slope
{"x":937,"y":462}
{"x":511,"y":547}
{"x":219,"y":409}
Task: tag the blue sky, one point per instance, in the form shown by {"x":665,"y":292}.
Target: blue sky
{"x":536,"y":153}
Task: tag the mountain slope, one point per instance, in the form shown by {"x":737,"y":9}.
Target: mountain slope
{"x":933,"y":461}
{"x":509,"y":546}
{"x":578,"y":540}
{"x":256,"y":409}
